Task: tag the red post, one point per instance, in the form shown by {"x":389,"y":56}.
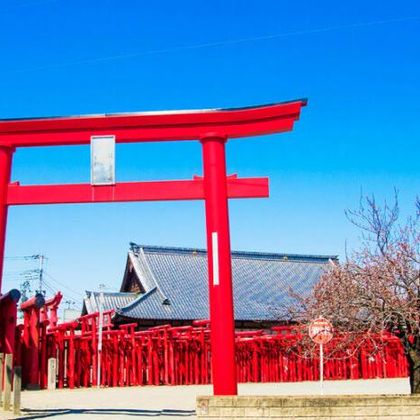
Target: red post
{"x":6,"y":153}
{"x":219,"y":266}
{"x":31,"y":335}
{"x":8,"y":316}
{"x":70,"y":359}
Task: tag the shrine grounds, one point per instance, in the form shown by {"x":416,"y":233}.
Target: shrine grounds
{"x":173,"y":402}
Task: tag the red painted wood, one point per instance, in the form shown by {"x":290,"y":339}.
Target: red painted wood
{"x":130,"y":191}
{"x":219,"y":267}
{"x":260,"y":356}
{"x":182,"y":356}
{"x":144,"y":127}
{"x":8,"y":318}
{"x":6,"y":154}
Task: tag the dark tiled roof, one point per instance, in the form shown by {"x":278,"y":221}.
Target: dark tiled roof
{"x":112,"y":300}
{"x":176,"y":282}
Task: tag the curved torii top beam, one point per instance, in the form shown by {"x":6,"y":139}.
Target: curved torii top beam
{"x":151,"y":126}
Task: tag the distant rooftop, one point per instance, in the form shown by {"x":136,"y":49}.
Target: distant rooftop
{"x":112,"y":300}
{"x":173,"y":282}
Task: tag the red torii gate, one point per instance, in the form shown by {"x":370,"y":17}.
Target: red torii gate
{"x":212,"y":128}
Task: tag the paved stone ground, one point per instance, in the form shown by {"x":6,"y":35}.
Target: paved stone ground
{"x":173,"y":403}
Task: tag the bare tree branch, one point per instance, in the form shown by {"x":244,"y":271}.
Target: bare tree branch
{"x":376,"y":289}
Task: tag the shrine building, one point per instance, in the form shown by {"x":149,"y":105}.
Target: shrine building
{"x":168,"y":285}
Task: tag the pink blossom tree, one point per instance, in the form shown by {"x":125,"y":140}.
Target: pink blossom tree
{"x":377,"y":288}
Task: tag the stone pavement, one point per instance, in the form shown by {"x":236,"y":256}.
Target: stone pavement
{"x":173,"y":403}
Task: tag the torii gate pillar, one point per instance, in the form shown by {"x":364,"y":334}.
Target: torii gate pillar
{"x":6,"y":154}
{"x":219,"y":266}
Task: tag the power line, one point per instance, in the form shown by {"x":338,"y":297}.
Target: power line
{"x":54,"y":289}
{"x":26,"y":277}
{"x":49,"y":287}
{"x":32,"y":274}
{"x":23,"y":257}
{"x":213,"y":44}
{"x":63,"y":285}
{"x":39,"y":273}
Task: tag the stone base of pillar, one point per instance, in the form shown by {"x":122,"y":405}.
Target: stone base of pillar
{"x":333,"y":407}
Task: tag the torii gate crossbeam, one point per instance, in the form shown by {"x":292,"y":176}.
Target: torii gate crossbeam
{"x":212,"y":128}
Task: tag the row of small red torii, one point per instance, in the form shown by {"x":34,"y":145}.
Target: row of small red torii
{"x":168,"y":355}
{"x":212,"y":128}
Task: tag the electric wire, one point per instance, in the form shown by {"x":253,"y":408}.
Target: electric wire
{"x":74,"y":292}
{"x":22,"y":257}
{"x":54,"y":289}
{"x":49,"y":287}
{"x":31,"y":275}
{"x":213,"y":44}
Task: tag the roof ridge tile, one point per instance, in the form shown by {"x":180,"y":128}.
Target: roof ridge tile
{"x":235,"y":254}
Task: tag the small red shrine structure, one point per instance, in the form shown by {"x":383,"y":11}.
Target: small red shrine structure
{"x":212,"y":128}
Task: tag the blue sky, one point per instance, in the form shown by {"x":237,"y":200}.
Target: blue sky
{"x":358,"y":63}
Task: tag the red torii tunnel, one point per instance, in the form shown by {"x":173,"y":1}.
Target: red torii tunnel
{"x":212,"y":128}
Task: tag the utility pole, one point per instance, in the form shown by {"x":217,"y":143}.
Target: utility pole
{"x":41,"y":274}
